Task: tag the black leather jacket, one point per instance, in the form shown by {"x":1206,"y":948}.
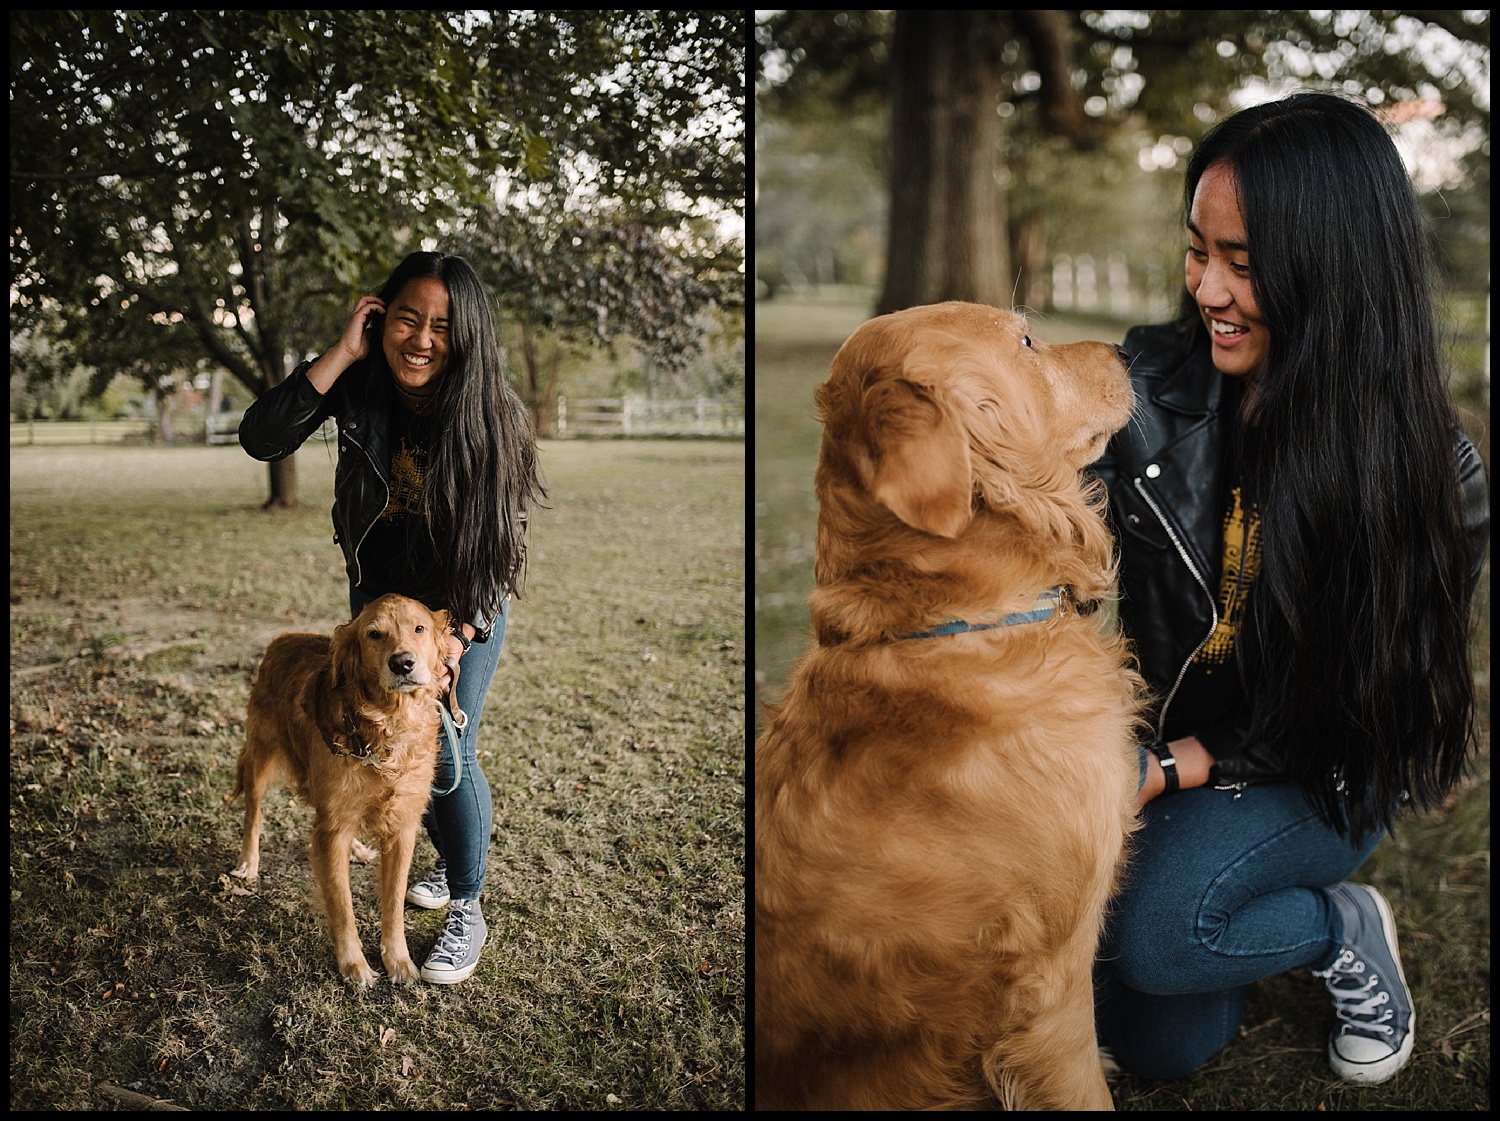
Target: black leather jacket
{"x":1163,"y":471}
{"x":280,"y":421}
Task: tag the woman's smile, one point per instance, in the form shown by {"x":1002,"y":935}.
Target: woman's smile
{"x":1218,"y":275}
{"x":415,"y":339}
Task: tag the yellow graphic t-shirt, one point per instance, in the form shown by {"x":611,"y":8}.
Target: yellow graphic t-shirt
{"x":396,"y":552}
{"x":408,"y":476}
{"x":1241,"y":564}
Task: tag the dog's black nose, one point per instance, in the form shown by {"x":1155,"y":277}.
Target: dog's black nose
{"x":401,"y":663}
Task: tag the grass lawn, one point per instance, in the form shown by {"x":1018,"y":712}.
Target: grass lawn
{"x":1434,"y":870}
{"x":144,"y":584}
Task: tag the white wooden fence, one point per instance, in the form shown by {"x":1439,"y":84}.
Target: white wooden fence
{"x":224,"y":428}
{"x":640,"y":416}
{"x":32,"y":432}
{"x":585,"y":416}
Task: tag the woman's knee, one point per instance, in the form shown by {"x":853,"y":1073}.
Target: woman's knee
{"x":1148,"y":945}
{"x":1165,"y":1037}
{"x":1145,"y":1058}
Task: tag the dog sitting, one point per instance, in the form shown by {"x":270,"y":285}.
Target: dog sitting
{"x":353,"y":723}
{"x":943,"y":796}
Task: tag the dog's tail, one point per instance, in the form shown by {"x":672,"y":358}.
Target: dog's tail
{"x":244,"y":775}
{"x":239,"y":770}
{"x":239,"y":782}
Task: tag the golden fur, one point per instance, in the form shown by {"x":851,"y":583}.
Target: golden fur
{"x":938,"y":821}
{"x":379,"y":674}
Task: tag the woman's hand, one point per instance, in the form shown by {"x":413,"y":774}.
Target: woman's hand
{"x":455,"y":649}
{"x":355,"y":341}
{"x":353,"y":345}
{"x":1193,"y":765}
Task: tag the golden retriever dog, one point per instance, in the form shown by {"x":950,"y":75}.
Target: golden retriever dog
{"x":352,"y":722}
{"x":943,"y":796}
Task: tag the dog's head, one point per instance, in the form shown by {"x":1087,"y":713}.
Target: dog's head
{"x":937,"y":408}
{"x":394,"y":646}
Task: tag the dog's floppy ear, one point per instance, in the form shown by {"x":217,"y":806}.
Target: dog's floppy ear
{"x":445,"y":626}
{"x":345,"y":654}
{"x":921,"y":470}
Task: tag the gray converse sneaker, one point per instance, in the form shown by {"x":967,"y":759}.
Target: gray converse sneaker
{"x":1377,"y":1022}
{"x":457,"y":950}
{"x":430,"y":892}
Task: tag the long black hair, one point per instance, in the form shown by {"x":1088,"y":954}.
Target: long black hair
{"x":1356,"y":644}
{"x":482,"y":479}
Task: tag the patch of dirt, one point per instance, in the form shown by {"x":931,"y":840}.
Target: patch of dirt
{"x":127,"y":678}
{"x":133,"y":629}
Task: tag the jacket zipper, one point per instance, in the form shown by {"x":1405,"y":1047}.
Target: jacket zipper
{"x":359,"y":574}
{"x":1161,"y":720}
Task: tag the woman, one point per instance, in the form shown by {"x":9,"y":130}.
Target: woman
{"x":436,"y":473}
{"x":1301,"y":525}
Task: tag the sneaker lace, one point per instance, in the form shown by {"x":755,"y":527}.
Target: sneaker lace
{"x":454,"y":941}
{"x":1358,"y":1003}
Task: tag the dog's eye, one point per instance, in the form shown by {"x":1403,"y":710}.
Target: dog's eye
{"x":374,"y":632}
{"x":1025,"y":340}
{"x":420,"y":628}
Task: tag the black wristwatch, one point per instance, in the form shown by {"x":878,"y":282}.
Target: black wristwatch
{"x":458,"y":632}
{"x":1168,"y":762}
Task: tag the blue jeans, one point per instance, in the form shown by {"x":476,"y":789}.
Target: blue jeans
{"x":459,"y":821}
{"x":1220,"y":890}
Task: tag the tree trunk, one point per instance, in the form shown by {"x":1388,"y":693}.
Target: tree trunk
{"x":163,"y":396}
{"x":1034,"y":289}
{"x":540,"y":386}
{"x":947,"y":237}
{"x":283,"y":484}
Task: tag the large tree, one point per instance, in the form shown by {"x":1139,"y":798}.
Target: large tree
{"x":598,"y":280}
{"x":243,"y":175}
{"x":972,"y":93}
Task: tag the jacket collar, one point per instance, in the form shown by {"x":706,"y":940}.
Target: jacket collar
{"x":1194,"y":387}
{"x":1189,"y":386}
{"x":1174,"y":450}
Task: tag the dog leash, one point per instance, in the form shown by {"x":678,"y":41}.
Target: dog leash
{"x":1046,"y":606}
{"x":453,"y":726}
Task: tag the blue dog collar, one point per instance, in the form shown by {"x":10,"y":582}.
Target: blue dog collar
{"x":1046,"y":607}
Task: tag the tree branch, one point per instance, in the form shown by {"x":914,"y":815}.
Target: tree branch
{"x":201,"y":317}
{"x":1051,"y":37}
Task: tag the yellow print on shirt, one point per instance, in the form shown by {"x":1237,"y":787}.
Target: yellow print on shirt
{"x":1241,"y":564}
{"x":408,"y":476}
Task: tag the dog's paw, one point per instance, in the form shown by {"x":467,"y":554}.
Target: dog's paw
{"x":403,"y":972}
{"x":358,"y":973}
{"x":363,"y":853}
{"x":249,"y":870}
